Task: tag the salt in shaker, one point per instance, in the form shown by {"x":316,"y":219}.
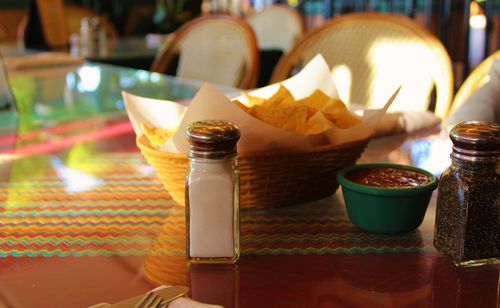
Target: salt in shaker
{"x":212,"y":193}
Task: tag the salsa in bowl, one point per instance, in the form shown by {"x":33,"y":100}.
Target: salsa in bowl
{"x":386,"y":198}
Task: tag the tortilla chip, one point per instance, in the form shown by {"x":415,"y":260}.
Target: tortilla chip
{"x":253,"y":100}
{"x":317,"y":124}
{"x":156,"y":136}
{"x":317,"y":100}
{"x":337,"y":112}
{"x":281,"y":97}
{"x":242,"y":106}
{"x":287,"y":118}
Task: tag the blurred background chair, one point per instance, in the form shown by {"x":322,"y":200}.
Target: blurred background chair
{"x":220,"y":49}
{"x":277,"y":28}
{"x":371,"y":54}
{"x":478,"y":98}
{"x":477,"y":78}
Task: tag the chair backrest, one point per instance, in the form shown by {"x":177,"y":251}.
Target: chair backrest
{"x":477,"y":78}
{"x":221,"y":49}
{"x":11,"y":18}
{"x":277,"y":26}
{"x":371,"y":54}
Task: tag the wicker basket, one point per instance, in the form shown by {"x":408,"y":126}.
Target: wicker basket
{"x":267,"y":179}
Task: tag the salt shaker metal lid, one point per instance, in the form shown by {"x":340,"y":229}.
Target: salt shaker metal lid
{"x":476,"y":139}
{"x":212,"y":138}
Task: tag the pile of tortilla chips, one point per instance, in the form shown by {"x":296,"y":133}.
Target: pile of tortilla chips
{"x":311,"y":115}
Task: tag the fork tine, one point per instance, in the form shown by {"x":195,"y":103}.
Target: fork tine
{"x":157,"y":301}
{"x":144,"y":300}
{"x":149,"y":300}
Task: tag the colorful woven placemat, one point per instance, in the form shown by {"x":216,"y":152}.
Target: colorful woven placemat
{"x":113,"y":205}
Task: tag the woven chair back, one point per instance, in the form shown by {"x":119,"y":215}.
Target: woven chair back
{"x":477,"y":78}
{"x":371,"y":54}
{"x":277,"y":27}
{"x":220,"y":49}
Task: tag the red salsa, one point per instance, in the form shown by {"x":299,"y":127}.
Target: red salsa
{"x":387,"y":177}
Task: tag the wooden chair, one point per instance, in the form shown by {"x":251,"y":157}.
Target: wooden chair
{"x":277,"y":26}
{"x":221,"y":49}
{"x":371,"y":54}
{"x":477,"y":78}
{"x":11,"y":18}
{"x":3,"y":33}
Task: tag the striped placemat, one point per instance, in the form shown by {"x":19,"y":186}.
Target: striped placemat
{"x":112,"y":204}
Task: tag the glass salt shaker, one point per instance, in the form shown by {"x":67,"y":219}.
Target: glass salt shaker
{"x":468,"y":204}
{"x":86,"y":37}
{"x":99,"y":36}
{"x":212,"y":193}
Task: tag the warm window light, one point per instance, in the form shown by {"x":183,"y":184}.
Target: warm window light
{"x":431,"y":155}
{"x":142,"y":75}
{"x":75,"y":180}
{"x":477,"y":34}
{"x":478,"y":22}
{"x":155,"y":77}
{"x":90,"y":78}
{"x":394,"y":63}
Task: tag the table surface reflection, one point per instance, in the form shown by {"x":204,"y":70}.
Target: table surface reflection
{"x":84,"y":219}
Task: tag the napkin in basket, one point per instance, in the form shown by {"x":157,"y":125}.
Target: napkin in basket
{"x":405,"y":122}
{"x":256,"y":135}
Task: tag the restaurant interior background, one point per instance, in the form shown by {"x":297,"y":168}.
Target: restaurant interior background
{"x":470,"y":30}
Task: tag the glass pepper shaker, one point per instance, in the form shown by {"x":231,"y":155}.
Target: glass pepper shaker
{"x":467,"y":226}
{"x":212,"y":193}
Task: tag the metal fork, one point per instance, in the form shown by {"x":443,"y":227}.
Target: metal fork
{"x":151,"y":300}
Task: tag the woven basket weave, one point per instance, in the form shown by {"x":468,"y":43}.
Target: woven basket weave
{"x":267,"y":179}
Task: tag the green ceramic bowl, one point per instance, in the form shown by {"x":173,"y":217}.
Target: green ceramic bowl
{"x":386,"y":210}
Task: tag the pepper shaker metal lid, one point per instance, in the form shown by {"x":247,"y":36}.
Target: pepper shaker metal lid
{"x":212,"y":138}
{"x":476,"y":139}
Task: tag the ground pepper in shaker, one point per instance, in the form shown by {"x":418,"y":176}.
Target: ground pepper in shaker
{"x":467,"y":226}
{"x":212,"y":193}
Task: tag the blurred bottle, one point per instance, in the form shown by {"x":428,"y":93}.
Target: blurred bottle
{"x":92,"y":40}
{"x":74,"y":44}
{"x":86,"y":37}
